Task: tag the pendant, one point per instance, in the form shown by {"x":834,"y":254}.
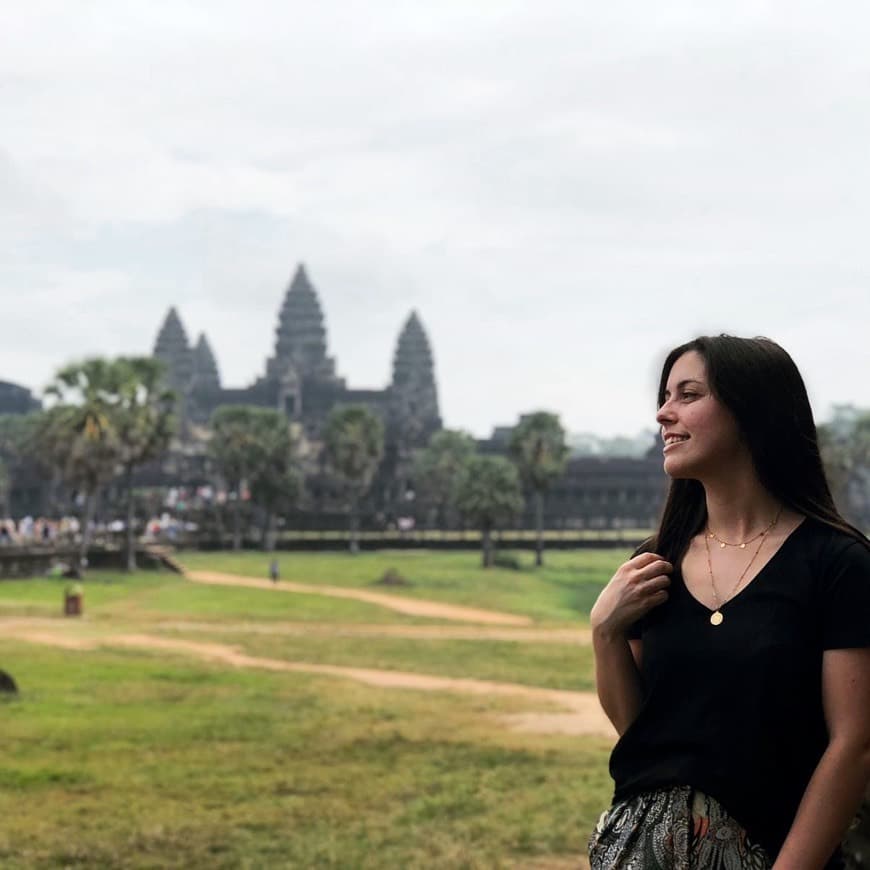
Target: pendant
{"x":716,"y":618}
{"x":722,"y":546}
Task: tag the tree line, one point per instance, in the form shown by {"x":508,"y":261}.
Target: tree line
{"x":107,"y":418}
{"x":254,"y":446}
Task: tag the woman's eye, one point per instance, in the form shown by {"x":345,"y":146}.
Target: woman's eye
{"x":689,"y":395}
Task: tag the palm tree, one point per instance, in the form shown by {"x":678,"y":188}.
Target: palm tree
{"x":145,"y":424}
{"x":237,"y":449}
{"x":79,"y":436}
{"x":437,"y":469}
{"x":276,"y":482}
{"x":539,"y":450}
{"x":353,"y":446}
{"x":489,"y":495}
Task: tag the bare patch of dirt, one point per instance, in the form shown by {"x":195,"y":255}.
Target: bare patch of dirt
{"x":52,"y":632}
{"x":583,"y":714}
{"x":567,"y":636}
{"x":408,"y":606}
{"x":61,"y":640}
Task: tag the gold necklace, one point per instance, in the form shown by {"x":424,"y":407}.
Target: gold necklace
{"x":742,"y":544}
{"x":716,"y":617}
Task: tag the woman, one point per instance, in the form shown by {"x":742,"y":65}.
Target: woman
{"x":732,"y":652}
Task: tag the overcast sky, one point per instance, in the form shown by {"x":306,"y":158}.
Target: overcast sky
{"x":562,"y":190}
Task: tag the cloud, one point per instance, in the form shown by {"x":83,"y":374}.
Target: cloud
{"x":563,"y":191}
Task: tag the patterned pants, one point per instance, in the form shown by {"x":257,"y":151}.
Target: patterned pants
{"x":672,"y":829}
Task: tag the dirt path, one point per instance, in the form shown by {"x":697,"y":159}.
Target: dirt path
{"x":408,"y":606}
{"x":581,"y":711}
{"x":567,"y":636}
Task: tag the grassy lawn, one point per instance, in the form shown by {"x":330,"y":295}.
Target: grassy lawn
{"x":115,"y":598}
{"x":127,"y":758}
{"x":553,"y":666}
{"x":562,"y":591}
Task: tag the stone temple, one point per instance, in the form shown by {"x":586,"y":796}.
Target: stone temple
{"x":301,"y":380}
{"x":300,"y":377}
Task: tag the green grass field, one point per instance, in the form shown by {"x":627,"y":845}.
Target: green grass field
{"x":561,"y":592}
{"x":136,"y":758}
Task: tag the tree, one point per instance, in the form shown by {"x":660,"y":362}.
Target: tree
{"x":110,"y":415}
{"x":353,"y":446}
{"x":437,"y":469}
{"x":276,"y":481}
{"x":17,"y":447}
{"x":5,"y":486}
{"x":144,"y":420}
{"x":237,"y":449}
{"x":78,"y":436}
{"x":538,"y":448}
{"x":845,"y":447}
{"x":14,"y":431}
{"x":489,"y":494}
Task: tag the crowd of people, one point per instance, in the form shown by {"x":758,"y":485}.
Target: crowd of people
{"x":42,"y":531}
{"x":29,"y":531}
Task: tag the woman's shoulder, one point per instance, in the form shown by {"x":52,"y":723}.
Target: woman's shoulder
{"x":830,"y":547}
{"x":840,"y":568}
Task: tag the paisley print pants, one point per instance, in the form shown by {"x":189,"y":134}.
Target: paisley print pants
{"x":672,"y":829}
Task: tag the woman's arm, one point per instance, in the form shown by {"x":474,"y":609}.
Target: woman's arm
{"x":637,"y":586}
{"x":835,"y":790}
{"x":617,"y":678}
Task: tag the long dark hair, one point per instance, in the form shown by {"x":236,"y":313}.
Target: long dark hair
{"x":758,"y":382}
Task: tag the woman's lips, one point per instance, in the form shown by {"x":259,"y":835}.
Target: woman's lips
{"x":675,"y":442}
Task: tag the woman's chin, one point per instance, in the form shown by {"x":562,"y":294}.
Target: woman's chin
{"x":677,"y":470}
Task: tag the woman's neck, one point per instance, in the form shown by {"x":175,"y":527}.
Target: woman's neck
{"x":738,"y":506}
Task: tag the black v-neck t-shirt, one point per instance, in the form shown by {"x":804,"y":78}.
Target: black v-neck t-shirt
{"x":735,"y":710}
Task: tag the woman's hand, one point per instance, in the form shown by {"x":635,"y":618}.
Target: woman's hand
{"x":638,"y":585}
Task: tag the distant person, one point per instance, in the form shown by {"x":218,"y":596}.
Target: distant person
{"x":274,"y":571}
{"x":732,"y":651}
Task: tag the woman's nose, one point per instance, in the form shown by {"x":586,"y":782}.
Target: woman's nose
{"x":665,"y":414}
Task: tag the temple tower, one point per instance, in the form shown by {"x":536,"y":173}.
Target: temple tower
{"x":205,"y":370}
{"x":173,"y":349}
{"x":300,"y":343}
{"x":414,"y":405}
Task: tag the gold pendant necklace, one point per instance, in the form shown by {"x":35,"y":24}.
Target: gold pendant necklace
{"x":742,"y":544}
{"x":716,"y":617}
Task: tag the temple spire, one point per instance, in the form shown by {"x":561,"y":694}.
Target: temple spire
{"x":413,"y":356}
{"x":300,"y":338}
{"x":173,"y":349}
{"x":415,"y":394}
{"x":205,"y":370}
